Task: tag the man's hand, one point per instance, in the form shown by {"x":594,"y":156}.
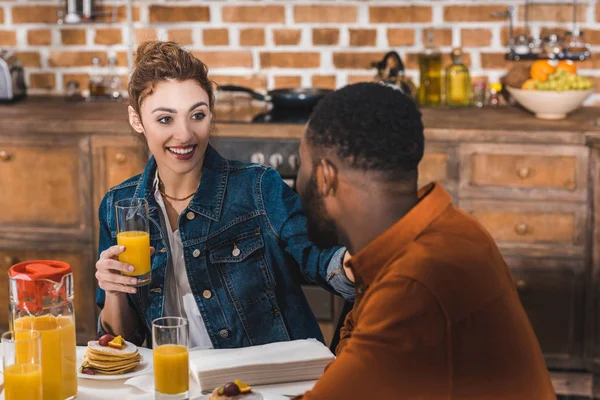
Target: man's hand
{"x":347,"y":269}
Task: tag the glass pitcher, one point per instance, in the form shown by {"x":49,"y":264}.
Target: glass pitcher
{"x":41,"y":298}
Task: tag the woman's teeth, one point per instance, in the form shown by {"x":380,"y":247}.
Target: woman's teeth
{"x":181,"y":150}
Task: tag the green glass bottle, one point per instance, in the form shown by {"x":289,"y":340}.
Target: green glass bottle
{"x":430,"y":66}
{"x":458,"y":82}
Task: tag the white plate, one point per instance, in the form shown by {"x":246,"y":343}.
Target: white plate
{"x":144,"y":367}
{"x":265,"y":395}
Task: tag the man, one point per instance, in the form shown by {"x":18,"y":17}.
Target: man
{"x":436,"y":314}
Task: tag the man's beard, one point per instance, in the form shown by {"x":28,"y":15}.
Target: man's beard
{"x":321,"y":228}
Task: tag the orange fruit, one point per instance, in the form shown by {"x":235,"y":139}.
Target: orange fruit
{"x":529,"y":84}
{"x":541,"y":69}
{"x":242,"y":386}
{"x":568,"y":66}
{"x":117,"y":342}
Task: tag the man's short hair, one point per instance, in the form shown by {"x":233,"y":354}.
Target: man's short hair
{"x":371,"y":126}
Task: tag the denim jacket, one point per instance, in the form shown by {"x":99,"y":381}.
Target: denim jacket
{"x":256,"y":296}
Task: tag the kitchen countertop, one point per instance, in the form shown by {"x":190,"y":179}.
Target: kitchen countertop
{"x":502,"y":125}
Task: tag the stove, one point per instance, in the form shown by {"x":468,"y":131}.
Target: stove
{"x":281,"y":154}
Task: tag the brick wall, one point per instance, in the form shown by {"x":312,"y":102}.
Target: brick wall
{"x":276,"y":43}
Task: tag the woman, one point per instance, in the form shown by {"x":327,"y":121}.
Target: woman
{"x":228,"y":239}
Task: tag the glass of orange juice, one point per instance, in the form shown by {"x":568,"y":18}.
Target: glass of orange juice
{"x":22,"y":364}
{"x":171,"y":359}
{"x":133,"y":232}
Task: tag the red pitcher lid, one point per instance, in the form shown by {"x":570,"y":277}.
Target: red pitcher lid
{"x":35,"y":281}
{"x":40,"y":269}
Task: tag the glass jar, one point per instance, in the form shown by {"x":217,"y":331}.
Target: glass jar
{"x":494,"y":99}
{"x":536,"y":44}
{"x":576,"y":46}
{"x":73,"y":92}
{"x":553,"y":46}
{"x":41,"y":298}
{"x":521,"y":45}
{"x":479,"y":93}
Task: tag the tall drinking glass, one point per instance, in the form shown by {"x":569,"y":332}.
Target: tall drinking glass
{"x":133,"y":232}
{"x":22,"y":364}
{"x":171,"y":359}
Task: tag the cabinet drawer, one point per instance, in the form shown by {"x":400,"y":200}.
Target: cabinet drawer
{"x":82,"y":263}
{"x":552,"y":293}
{"x":439,"y":165}
{"x":534,"y":228}
{"x":433,"y":167}
{"x":527,"y":170}
{"x":524,"y":171}
{"x":46,"y":186}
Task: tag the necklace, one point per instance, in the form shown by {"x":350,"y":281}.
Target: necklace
{"x":171,"y":197}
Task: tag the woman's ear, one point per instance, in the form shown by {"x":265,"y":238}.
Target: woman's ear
{"x":135,"y":121}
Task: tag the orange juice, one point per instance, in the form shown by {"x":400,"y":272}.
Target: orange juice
{"x":171,"y":373}
{"x":23,"y":381}
{"x":59,"y":377}
{"x":137,"y":251}
{"x":26,"y":349}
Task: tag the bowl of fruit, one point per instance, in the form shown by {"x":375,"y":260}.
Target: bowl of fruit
{"x":552,"y":90}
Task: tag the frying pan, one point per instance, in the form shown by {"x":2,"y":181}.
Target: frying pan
{"x":296,"y":98}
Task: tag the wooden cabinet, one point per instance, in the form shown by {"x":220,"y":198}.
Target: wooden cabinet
{"x":552,"y":293}
{"x":45,"y":186}
{"x":532,"y":199}
{"x":81,"y":260}
{"x":592,"y":331}
{"x":45,"y":183}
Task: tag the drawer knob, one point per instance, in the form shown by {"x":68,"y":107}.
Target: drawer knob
{"x":521,"y":285}
{"x":121,"y":158}
{"x":521,"y":229}
{"x":523,"y":173}
{"x":5,"y":156}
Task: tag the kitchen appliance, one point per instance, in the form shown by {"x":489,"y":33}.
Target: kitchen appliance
{"x":12,"y":78}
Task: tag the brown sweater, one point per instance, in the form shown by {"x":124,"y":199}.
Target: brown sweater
{"x":436,"y":316}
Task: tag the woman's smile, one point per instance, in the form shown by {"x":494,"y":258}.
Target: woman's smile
{"x":182,"y":152}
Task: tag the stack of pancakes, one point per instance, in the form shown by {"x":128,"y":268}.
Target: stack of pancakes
{"x":107,"y":360}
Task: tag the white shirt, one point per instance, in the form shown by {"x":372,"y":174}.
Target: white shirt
{"x":179,"y":299}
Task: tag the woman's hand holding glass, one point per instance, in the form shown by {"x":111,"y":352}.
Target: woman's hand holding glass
{"x":109,"y":269}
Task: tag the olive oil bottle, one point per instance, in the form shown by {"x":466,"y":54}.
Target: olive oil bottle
{"x":458,"y":82}
{"x":430,"y":67}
